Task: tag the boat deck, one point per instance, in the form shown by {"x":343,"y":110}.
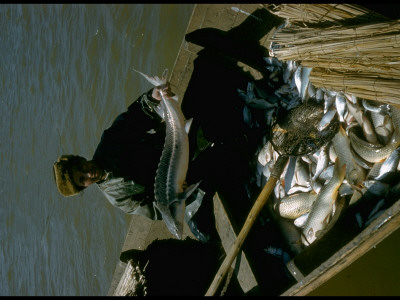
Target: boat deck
{"x":318,"y":262}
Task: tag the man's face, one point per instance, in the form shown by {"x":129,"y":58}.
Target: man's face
{"x":87,"y":173}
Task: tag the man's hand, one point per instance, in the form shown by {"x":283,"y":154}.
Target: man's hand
{"x":164,"y":89}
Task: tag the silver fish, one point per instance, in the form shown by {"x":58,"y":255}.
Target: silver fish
{"x":289,"y":232}
{"x":355,"y":110}
{"x":279,"y":190}
{"x":293,"y":206}
{"x":326,"y":119}
{"x":371,"y":152}
{"x":265,"y":154}
{"x":297,"y":78}
{"x":383,"y":109}
{"x":345,"y":189}
{"x":301,"y":221}
{"x":327,"y":173}
{"x":305,"y":79}
{"x":354,"y":173}
{"x":375,"y":170}
{"x":323,"y":160}
{"x":316,"y":186}
{"x":311,"y":90}
{"x":289,"y":174}
{"x":268,"y":168}
{"x":368,"y":130}
{"x":389,"y":165}
{"x":383,"y":134}
{"x":328,"y":102}
{"x":363,"y":121}
{"x":170,"y":195}
{"x":299,"y":188}
{"x":332,"y":153}
{"x":273,"y":61}
{"x":302,"y":175}
{"x":319,"y":95}
{"x":360,"y":161}
{"x":322,"y":209}
{"x":341,"y":107}
{"x":288,"y":71}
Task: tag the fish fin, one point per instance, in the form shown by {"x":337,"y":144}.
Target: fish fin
{"x":189,"y":190}
{"x":188,"y":123}
{"x":155,"y":80}
{"x":326,"y":220}
{"x":318,"y":234}
{"x":164,"y":75}
{"x":339,"y":169}
{"x":173,"y":217}
{"x":306,"y":235}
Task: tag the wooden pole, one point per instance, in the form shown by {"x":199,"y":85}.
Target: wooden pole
{"x":237,"y":245}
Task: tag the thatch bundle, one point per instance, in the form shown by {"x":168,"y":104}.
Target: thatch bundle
{"x":350,"y":42}
{"x":379,"y":66}
{"x":363,"y":58}
{"x":296,"y":35}
{"x":323,"y":13}
{"x":362,"y":84}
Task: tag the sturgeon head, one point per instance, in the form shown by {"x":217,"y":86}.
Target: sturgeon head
{"x":170,"y":196}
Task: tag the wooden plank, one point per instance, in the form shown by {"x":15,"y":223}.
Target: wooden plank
{"x":143,"y":231}
{"x":118,"y":273}
{"x":377,"y":231}
{"x":228,"y":236}
{"x":126,"y":283}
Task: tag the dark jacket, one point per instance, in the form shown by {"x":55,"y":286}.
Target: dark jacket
{"x":129,"y":151}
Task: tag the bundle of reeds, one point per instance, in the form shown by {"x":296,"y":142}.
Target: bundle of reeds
{"x":362,"y":84}
{"x":297,"y":35}
{"x":366,"y":41}
{"x":377,"y":66}
{"x":363,"y":58}
{"x":323,"y":13}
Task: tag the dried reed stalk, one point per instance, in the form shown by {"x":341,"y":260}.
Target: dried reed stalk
{"x":317,"y":13}
{"x":295,"y":35}
{"x":377,"y":67}
{"x":361,"y":57}
{"x":361,"y":84}
{"x":387,"y":45}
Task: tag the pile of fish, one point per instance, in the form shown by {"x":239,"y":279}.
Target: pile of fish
{"x":362,"y":158}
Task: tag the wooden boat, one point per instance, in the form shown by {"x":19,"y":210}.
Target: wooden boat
{"x":319,"y":262}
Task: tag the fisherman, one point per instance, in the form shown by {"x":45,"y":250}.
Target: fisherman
{"x":125,"y":162}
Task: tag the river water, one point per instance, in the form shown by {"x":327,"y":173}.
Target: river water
{"x":66,"y":73}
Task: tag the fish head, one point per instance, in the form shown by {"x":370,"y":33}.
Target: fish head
{"x":356,"y":176}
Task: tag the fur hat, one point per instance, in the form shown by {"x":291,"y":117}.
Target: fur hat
{"x":63,"y":174}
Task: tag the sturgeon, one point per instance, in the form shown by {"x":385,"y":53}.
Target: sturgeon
{"x":170,"y":195}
